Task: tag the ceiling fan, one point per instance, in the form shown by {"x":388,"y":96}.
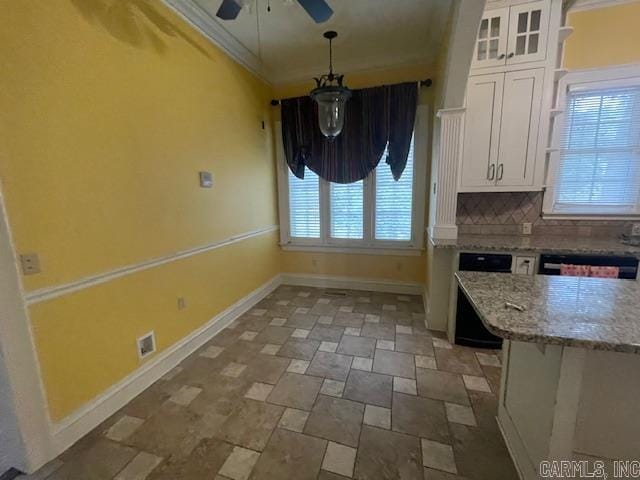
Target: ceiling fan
{"x":318,"y":10}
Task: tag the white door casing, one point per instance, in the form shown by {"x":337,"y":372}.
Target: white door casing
{"x":34,"y":446}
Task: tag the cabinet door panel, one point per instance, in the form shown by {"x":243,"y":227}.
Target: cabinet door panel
{"x":528,"y":30}
{"x":519,"y":127}
{"x":481,"y":130}
{"x":491,"y":43}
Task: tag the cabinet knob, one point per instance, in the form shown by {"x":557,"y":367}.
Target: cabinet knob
{"x":510,"y":55}
{"x":501,"y":56}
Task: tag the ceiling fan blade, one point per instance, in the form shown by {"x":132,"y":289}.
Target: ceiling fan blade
{"x":319,"y":10}
{"x":229,"y":10}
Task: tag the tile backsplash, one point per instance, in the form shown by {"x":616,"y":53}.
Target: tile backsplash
{"x":505,"y":212}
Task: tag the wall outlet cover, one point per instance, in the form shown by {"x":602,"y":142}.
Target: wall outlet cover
{"x":526,"y":228}
{"x":635,"y":230}
{"x":30,"y":263}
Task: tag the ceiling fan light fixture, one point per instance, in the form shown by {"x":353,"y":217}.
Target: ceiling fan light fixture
{"x":331,"y":97}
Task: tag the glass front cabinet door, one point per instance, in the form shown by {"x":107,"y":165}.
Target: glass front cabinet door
{"x":512,"y":35}
{"x":491,"y":45}
{"x":528,"y":28}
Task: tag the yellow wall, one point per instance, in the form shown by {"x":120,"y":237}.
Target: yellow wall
{"x":387,"y":267}
{"x":604,"y":36}
{"x":86,"y":340}
{"x":106,"y":117}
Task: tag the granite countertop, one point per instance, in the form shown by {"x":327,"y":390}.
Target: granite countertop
{"x":593,"y":313}
{"x":548,"y":244}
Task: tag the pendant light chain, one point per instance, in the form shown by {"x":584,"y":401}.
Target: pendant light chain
{"x":330,"y":95}
{"x":331,"y":57}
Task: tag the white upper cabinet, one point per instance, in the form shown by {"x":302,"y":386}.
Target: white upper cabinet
{"x":512,"y":35}
{"x":481,"y":131}
{"x":501,"y":131}
{"x":519,"y":127}
{"x":509,"y":97}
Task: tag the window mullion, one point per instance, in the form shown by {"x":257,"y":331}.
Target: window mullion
{"x":369,"y":208}
{"x":325,"y":213}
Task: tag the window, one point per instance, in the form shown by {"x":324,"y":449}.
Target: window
{"x":597,"y":165}
{"x":347,"y":210}
{"x":394,"y":202}
{"x":304,"y":205}
{"x":375,"y":213}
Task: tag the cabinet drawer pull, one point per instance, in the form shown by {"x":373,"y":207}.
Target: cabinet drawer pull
{"x":500,"y":171}
{"x":491,"y":171}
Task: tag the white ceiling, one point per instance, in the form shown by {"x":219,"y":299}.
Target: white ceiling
{"x":285,"y":45}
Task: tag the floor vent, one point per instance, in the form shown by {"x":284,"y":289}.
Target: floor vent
{"x":335,"y":293}
{"x":146,"y":345}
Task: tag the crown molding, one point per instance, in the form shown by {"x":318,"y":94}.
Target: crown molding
{"x":201,"y":21}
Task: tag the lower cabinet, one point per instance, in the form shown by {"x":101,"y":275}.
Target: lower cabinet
{"x":501,"y":126}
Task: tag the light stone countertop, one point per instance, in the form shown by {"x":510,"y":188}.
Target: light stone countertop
{"x":538,"y":244}
{"x":592,"y":313}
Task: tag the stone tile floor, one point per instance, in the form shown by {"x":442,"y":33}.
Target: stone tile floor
{"x":309,"y":384}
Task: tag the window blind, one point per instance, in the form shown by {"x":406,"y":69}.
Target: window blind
{"x":599,"y":168}
{"x":347,"y":210}
{"x":394,"y":201}
{"x":304,"y":205}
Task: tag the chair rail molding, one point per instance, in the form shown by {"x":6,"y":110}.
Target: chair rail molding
{"x":445,"y":180}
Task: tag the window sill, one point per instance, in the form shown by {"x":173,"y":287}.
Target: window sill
{"x":358,"y":250}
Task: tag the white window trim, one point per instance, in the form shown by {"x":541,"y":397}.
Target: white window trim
{"x":376,"y":247}
{"x":601,"y":77}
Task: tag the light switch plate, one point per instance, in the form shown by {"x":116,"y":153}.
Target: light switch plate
{"x":526,"y":228}
{"x":206,"y":179}
{"x":635,"y":230}
{"x":30,"y":263}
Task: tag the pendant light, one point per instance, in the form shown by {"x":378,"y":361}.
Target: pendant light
{"x":331,"y":97}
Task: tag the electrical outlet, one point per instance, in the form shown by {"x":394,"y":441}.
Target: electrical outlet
{"x":30,"y":263}
{"x":526,"y":228}
{"x":182,"y":303}
{"x":635,"y":230}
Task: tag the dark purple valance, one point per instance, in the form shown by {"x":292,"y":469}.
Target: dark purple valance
{"x":373,"y":117}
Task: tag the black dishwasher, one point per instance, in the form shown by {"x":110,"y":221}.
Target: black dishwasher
{"x":469,"y":328}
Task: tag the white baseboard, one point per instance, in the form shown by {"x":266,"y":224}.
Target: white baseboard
{"x":353,"y":283}
{"x":81,"y":422}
